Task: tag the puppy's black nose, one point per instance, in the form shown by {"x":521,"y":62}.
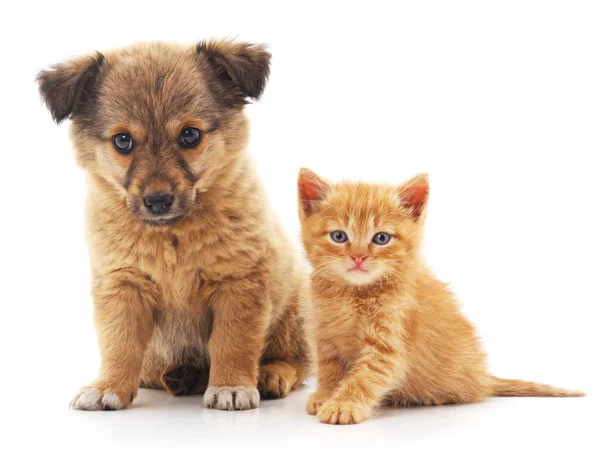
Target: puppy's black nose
{"x":158,"y":203}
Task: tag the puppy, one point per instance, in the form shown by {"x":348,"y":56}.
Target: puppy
{"x":195,"y":287}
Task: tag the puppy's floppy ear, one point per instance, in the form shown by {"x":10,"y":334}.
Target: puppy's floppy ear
{"x":312,"y":190}
{"x":240,"y":69}
{"x":414,"y":194}
{"x":67,"y":86}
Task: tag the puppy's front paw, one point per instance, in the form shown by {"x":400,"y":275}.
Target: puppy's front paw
{"x":275,"y":380}
{"x":314,"y":403}
{"x":231,"y":398}
{"x":94,"y":398}
{"x":338,"y":412}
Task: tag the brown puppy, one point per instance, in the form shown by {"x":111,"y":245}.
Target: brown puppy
{"x":194,"y":283}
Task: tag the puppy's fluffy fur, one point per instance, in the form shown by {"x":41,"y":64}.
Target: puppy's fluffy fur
{"x":209,"y":296}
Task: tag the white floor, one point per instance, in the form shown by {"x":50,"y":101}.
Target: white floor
{"x":160,"y":428}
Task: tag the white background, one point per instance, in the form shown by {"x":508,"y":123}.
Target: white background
{"x":498,"y":101}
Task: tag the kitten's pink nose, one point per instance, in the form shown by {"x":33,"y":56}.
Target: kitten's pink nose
{"x":359,"y":259}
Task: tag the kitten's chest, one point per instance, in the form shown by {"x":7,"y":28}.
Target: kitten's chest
{"x":343,"y":324}
{"x":347,"y":322}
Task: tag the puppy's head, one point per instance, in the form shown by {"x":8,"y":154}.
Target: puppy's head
{"x":158,"y":122}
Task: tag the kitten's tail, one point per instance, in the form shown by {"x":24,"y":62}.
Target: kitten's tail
{"x":508,"y":387}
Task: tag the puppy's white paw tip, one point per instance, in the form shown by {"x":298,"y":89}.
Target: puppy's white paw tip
{"x":231,"y":398}
{"x":111,"y":401}
{"x":92,"y":399}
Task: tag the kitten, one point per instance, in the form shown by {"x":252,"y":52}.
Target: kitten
{"x":388,"y":332}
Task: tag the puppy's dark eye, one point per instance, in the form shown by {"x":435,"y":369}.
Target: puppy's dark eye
{"x":381,"y":238}
{"x":123,"y":143}
{"x":190,"y":137}
{"x":338,"y":236}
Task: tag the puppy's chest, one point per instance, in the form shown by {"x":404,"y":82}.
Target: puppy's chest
{"x":179,"y":271}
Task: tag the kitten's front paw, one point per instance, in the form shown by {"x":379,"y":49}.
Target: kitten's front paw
{"x":314,"y":403}
{"x":338,"y":412}
{"x":97,"y":398}
{"x":231,"y":398}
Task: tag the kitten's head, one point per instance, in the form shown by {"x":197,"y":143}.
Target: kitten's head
{"x":361,"y":233}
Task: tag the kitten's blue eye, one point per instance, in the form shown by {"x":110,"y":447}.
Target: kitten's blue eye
{"x":338,"y":236}
{"x":381,"y":238}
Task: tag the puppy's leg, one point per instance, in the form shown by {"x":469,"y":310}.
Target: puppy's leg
{"x":123,"y":302}
{"x":276,"y":379}
{"x":240,"y":313}
{"x":286,"y":359}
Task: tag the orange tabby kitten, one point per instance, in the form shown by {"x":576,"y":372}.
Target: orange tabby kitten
{"x":387,"y":330}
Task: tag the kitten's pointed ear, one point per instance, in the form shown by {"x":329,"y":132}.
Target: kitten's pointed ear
{"x":68,"y":86}
{"x":240,"y":70}
{"x":414,"y":194}
{"x":311,"y":191}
